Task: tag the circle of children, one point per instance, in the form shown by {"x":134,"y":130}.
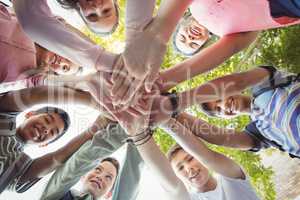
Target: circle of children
{"x":42,"y":55}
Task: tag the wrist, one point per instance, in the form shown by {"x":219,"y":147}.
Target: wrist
{"x":106,"y":61}
{"x":156,"y":28}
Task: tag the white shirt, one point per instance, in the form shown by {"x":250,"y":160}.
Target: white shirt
{"x":42,"y":26}
{"x":228,"y":189}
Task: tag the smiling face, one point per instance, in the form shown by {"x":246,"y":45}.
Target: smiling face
{"x":41,"y":128}
{"x":100,"y":180}
{"x":59,"y":64}
{"x":228,"y":108}
{"x":190,"y":171}
{"x":99,"y":15}
{"x":190,"y":36}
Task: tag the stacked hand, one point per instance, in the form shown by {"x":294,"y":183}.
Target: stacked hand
{"x":130,"y":118}
{"x":142,"y":59}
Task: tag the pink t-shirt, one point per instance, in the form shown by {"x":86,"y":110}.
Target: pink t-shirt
{"x":223,"y":17}
{"x":17,"y":51}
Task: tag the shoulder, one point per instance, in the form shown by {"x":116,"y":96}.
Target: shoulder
{"x":233,"y":188}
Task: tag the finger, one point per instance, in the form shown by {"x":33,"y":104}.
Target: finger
{"x":131,"y":96}
{"x":143,"y":107}
{"x":151,"y":78}
{"x":119,"y":83}
{"x":117,"y":70}
{"x":123,"y":90}
{"x":134,"y":112}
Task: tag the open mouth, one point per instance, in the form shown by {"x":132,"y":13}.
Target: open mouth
{"x":36,"y":134}
{"x":232,"y":106}
{"x":96,"y":183}
{"x":195,"y":175}
{"x":195,"y":31}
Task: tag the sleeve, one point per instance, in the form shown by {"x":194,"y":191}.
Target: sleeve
{"x":138,"y":14}
{"x":86,"y":158}
{"x":128,"y":180}
{"x":45,"y":29}
{"x":277,"y":79}
{"x":20,"y":167}
{"x":260,"y":141}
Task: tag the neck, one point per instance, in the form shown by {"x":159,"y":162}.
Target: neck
{"x":247,"y":105}
{"x":19,"y":134}
{"x":39,"y":56}
{"x":209,"y":186}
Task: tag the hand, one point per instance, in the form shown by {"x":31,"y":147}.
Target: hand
{"x":100,"y":123}
{"x":125,"y":86}
{"x":143,"y":56}
{"x":129,"y":118}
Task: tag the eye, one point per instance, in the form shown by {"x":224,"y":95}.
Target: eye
{"x":66,"y":68}
{"x":180,"y":168}
{"x":98,"y":169}
{"x":108,"y":177}
{"x":194,"y":45}
{"x":106,"y":11}
{"x":47,"y":120}
{"x":190,"y":159}
{"x":182,"y":38}
{"x":52,"y":133}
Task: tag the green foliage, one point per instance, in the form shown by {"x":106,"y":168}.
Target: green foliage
{"x":280,"y":47}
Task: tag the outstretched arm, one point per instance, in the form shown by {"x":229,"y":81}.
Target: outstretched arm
{"x":207,"y":59}
{"x":23,"y":99}
{"x":197,"y":148}
{"x":215,"y":135}
{"x":45,"y":29}
{"x":222,"y":87}
{"x":160,"y":166}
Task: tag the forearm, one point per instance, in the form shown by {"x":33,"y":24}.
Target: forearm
{"x":62,"y":154}
{"x":49,"y":162}
{"x":169,"y":13}
{"x":208,"y":59}
{"x":63,"y":95}
{"x":160,"y":166}
{"x":215,"y":135}
{"x":138,"y":14}
{"x":221,"y":88}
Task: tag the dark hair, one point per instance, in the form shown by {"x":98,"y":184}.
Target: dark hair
{"x":173,"y":151}
{"x":63,"y":115}
{"x":113,"y":161}
{"x":73,"y":4}
{"x":187,"y":16}
{"x":68,"y":4}
{"x":206,"y":109}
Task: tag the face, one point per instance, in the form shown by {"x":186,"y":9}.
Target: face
{"x":100,"y":180}
{"x":41,"y":128}
{"x":189,"y":170}
{"x":228,"y":108}
{"x":191,"y":36}
{"x":59,"y":64}
{"x":100,"y":15}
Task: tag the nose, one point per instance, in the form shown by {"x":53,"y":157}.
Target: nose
{"x":191,"y":171}
{"x":191,"y":37}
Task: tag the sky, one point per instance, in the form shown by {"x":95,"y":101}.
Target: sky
{"x":81,"y":118}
